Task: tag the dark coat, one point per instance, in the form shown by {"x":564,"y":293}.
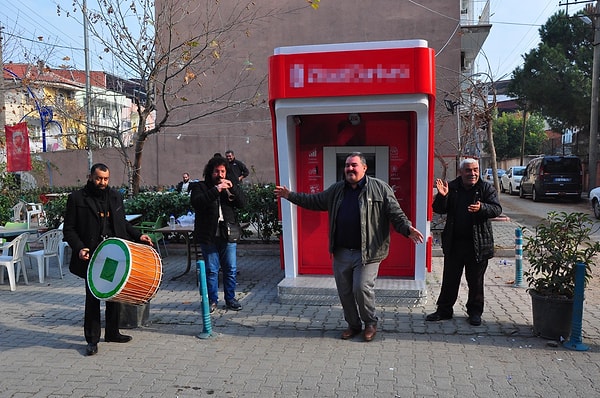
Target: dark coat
{"x":205,"y":199}
{"x":483,"y":236}
{"x":238,"y":168}
{"x":82,"y":226}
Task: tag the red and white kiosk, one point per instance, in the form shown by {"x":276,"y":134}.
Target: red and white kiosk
{"x":332,"y":99}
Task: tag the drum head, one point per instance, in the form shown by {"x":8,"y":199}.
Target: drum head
{"x":109,"y":268}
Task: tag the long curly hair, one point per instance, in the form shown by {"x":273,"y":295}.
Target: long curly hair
{"x":215,"y":161}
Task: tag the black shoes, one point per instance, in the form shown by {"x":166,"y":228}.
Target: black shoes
{"x":117,"y":338}
{"x":234,"y":305}
{"x":475,"y":320}
{"x":437,"y":316}
{"x":213,"y":307}
{"x":91,"y":349}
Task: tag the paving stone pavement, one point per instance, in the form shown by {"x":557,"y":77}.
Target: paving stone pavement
{"x":274,"y":350}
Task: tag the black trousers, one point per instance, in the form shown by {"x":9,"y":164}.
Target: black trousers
{"x":462,"y":257}
{"x":91,"y":322}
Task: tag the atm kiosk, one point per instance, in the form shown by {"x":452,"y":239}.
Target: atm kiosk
{"x":329,"y":100}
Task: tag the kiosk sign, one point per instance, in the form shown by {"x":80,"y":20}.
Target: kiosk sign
{"x":377,"y":71}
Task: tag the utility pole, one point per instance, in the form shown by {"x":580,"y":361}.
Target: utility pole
{"x":523,"y":131}
{"x":594,"y":102}
{"x":88,"y":90}
{"x":593,"y":145}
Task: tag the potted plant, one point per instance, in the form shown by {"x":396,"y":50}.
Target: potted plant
{"x":558,"y":244}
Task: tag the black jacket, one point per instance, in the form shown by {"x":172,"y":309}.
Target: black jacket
{"x":483,"y":236}
{"x":238,"y":168}
{"x":82,"y":226}
{"x":205,"y":198}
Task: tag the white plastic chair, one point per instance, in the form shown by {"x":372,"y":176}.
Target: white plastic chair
{"x":34,"y":210}
{"x":17,"y":209}
{"x":12,"y":258}
{"x":62,"y":246}
{"x":51,"y":240}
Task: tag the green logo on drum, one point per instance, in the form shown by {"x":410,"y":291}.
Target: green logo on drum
{"x":109,"y":269}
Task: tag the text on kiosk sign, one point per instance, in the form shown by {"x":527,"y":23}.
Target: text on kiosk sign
{"x":354,"y":73}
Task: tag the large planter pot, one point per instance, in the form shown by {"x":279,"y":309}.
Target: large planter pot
{"x":551,"y":316}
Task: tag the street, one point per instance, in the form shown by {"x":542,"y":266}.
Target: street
{"x":529,"y":213}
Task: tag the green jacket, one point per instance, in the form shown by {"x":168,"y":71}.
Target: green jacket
{"x":378,"y":208}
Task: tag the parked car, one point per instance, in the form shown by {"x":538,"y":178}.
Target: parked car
{"x":595,"y":201}
{"x":552,"y":176}
{"x":487,"y":175}
{"x":511,"y":180}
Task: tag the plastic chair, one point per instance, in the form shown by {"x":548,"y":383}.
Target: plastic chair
{"x":34,"y":210}
{"x":62,"y":246}
{"x":12,"y":259}
{"x":149,"y":227}
{"x":51,"y":241}
{"x":17,"y":211}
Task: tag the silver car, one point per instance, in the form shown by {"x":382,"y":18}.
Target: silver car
{"x":511,"y":181}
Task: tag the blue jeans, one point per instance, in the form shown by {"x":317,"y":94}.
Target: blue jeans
{"x":220,"y":254}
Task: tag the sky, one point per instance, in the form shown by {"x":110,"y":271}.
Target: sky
{"x":515,"y":25}
{"x":514,"y":31}
{"x":37,"y":25}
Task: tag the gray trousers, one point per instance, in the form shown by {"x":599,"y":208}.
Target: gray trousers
{"x":356,"y":287}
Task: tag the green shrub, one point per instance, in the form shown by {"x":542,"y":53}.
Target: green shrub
{"x":261,"y":211}
{"x":154,"y":204}
{"x":6,"y":205}
{"x":55,"y":211}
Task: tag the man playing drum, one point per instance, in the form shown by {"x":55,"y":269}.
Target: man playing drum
{"x":94,"y":213}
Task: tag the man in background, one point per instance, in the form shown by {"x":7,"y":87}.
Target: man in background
{"x":238,"y":168}
{"x":184,"y":185}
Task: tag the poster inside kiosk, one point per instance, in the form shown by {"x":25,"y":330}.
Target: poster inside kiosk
{"x":330,"y":100}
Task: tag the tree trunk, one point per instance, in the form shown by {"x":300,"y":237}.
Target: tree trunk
{"x":137,"y":163}
{"x":490,"y":136}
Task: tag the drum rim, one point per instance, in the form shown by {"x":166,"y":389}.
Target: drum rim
{"x":122,"y":243}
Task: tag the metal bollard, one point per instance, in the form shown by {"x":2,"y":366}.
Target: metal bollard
{"x":206,"y":322}
{"x":575,"y":342}
{"x":518,"y":258}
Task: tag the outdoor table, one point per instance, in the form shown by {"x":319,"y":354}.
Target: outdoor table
{"x":10,"y":233}
{"x":186,"y":232}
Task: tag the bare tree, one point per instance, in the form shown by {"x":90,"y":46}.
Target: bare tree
{"x":483,"y":111}
{"x":167,"y":61}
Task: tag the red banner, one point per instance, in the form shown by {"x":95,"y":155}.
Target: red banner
{"x":18,"y":157}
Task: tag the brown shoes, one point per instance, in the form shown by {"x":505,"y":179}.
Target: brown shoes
{"x":370,"y":332}
{"x":349,"y":333}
